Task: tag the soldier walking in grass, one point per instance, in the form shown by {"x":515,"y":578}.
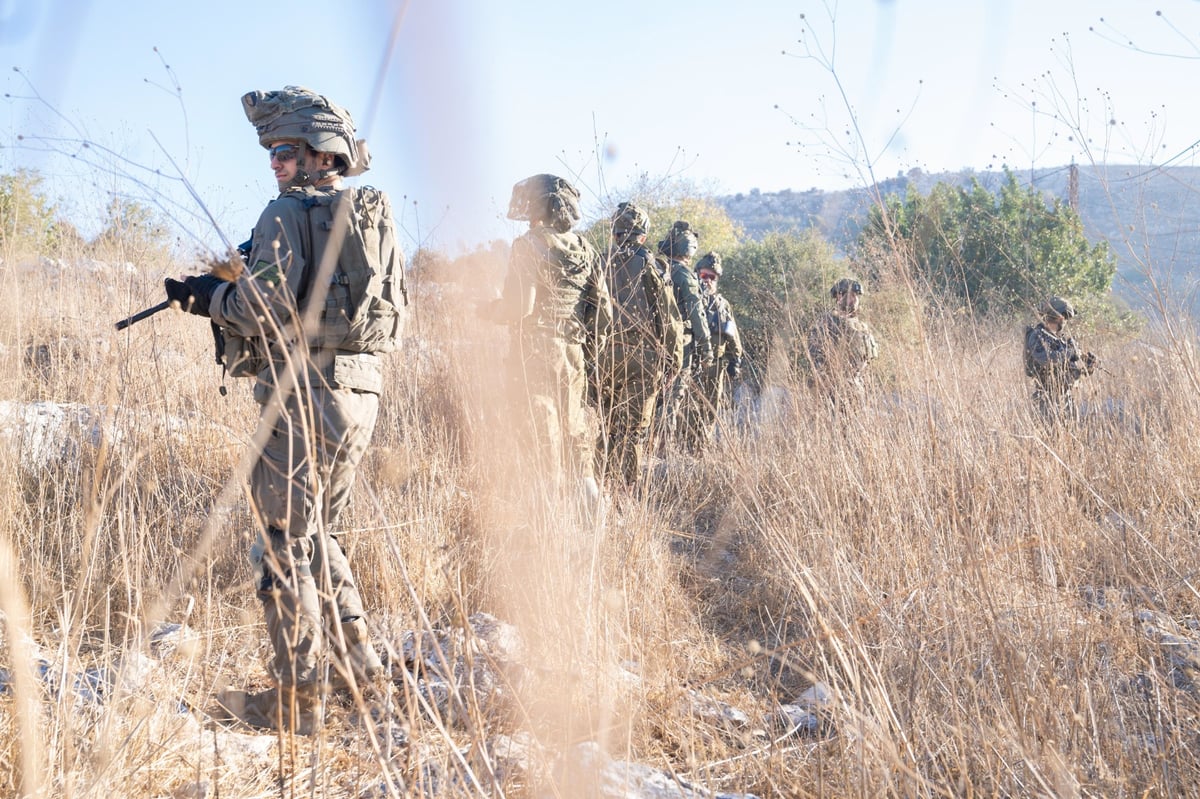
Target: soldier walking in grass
{"x":840,"y":345}
{"x":556,"y":297}
{"x":321,"y":299}
{"x":645,"y":346}
{"x":708,"y":382}
{"x":679,"y":248}
{"x":1053,"y":360}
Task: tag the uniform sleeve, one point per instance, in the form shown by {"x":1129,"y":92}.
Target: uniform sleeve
{"x":599,"y":303}
{"x":670,"y":321}
{"x":870,"y":344}
{"x":520,"y":284}
{"x":818,"y":343}
{"x":263,"y":300}
{"x":687,"y":291}
{"x":733,"y":338}
{"x":391,"y":257}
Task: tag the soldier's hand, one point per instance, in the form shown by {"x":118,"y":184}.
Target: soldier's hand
{"x":193,"y":293}
{"x":1091,"y":362}
{"x":733,"y":370}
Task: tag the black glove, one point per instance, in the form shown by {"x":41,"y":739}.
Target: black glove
{"x":733,"y":369}
{"x":1090,"y":362}
{"x":193,"y":293}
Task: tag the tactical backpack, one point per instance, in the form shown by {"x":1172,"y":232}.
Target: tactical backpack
{"x":360,"y":312}
{"x":635,"y":294}
{"x":565,"y":301}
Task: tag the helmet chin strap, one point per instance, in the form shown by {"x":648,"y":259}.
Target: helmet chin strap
{"x":302,"y":177}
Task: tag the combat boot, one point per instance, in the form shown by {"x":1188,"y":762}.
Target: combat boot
{"x":359,"y":658}
{"x":286,"y":708}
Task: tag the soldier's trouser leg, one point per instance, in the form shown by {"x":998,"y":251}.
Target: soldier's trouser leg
{"x":555,"y":384}
{"x":629,"y":413}
{"x":296,"y":554}
{"x":701,"y":408}
{"x":291,"y":606}
{"x":672,"y":405}
{"x":346,"y":423}
{"x":571,"y":416}
{"x":538,"y":409}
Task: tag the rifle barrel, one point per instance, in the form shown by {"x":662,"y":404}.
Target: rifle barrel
{"x":140,"y":315}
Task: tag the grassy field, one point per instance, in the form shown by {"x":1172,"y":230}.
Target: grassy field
{"x":998,"y":611}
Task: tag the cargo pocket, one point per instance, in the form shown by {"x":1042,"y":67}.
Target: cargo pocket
{"x":359,"y":372}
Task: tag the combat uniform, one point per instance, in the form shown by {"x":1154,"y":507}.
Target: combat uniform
{"x":319,"y":300}
{"x":708,"y":382}
{"x":556,"y":296}
{"x":679,"y":247}
{"x":1055,"y":363}
{"x":839,"y":348}
{"x":330,"y":401}
{"x":697,"y":339}
{"x":645,"y":345}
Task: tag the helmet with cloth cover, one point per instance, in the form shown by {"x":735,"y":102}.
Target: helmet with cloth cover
{"x":545,"y":198}
{"x":629,"y":220}
{"x":712,"y":262}
{"x":1058,"y":307}
{"x":295,"y":112}
{"x":681,"y":242}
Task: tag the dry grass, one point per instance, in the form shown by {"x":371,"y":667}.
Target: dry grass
{"x":967,"y":585}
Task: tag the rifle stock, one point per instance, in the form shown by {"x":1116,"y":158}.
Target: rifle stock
{"x":140,"y":315}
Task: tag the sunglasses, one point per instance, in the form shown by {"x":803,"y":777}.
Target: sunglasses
{"x":283,"y":152}
{"x":708,"y":275}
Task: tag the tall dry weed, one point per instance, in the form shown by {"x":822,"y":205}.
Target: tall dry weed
{"x":976,"y":591}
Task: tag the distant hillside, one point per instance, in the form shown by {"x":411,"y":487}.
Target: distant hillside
{"x":1150,"y":216}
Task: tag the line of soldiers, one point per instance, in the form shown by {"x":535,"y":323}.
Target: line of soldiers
{"x":650,"y":325}
{"x":646,"y":337}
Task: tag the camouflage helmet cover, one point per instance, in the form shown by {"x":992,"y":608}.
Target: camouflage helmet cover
{"x":295,"y":112}
{"x":629,"y":220}
{"x":681,"y":241}
{"x":1058,"y":307}
{"x":545,"y":198}
{"x":710,"y":261}
{"x":845,"y":286}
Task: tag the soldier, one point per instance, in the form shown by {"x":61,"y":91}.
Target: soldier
{"x":646,"y":344}
{"x":556,"y":297}
{"x":1053,"y":360}
{"x":322,"y":297}
{"x":708,"y":383}
{"x":840,"y":346}
{"x":679,"y":247}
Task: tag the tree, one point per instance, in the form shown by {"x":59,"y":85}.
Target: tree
{"x":775,"y":287}
{"x":992,"y":253}
{"x":667,"y":202}
{"x":27,"y":218}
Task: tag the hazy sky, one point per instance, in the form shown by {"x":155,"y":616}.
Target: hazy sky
{"x":477,"y":95}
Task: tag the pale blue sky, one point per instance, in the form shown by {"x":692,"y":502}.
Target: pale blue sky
{"x":478,"y":95}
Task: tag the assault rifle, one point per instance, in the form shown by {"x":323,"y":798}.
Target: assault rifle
{"x":243,"y":250}
{"x":140,"y":315}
